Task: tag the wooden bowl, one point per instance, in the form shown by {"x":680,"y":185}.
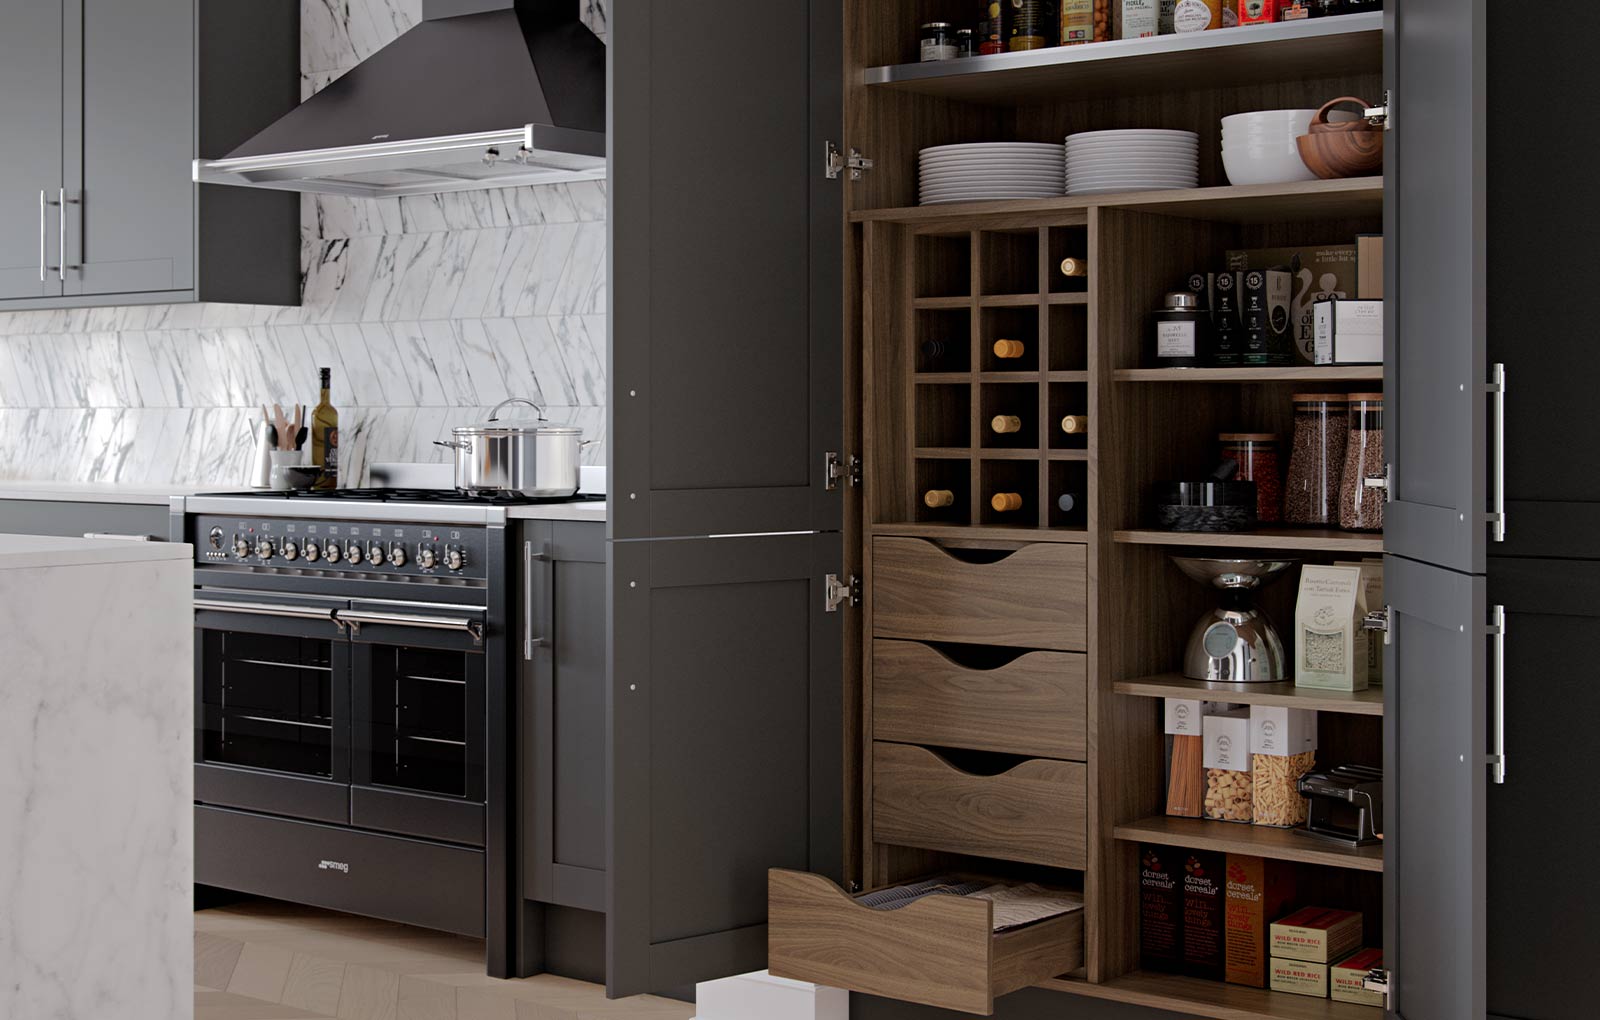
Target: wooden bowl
{"x":1320,"y":124}
{"x":1333,"y":154}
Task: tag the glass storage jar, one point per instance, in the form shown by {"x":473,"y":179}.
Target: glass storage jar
{"x":1361,"y":505}
{"x":1256,"y":453}
{"x":1316,"y":458}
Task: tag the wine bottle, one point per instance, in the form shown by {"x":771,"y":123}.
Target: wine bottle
{"x":325,"y":436}
{"x":1075,"y":267}
{"x":1005,"y":502}
{"x":1009,"y":348}
{"x":936,"y":498}
{"x":1075,"y":424}
{"x":1067,"y":502}
{"x":933,"y":350}
{"x":1005,"y":423}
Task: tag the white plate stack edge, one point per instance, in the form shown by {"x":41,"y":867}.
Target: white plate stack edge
{"x":987,"y":171}
{"x":1106,"y":162}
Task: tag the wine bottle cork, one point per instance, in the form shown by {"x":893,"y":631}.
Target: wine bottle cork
{"x":1075,"y":424}
{"x":1006,"y":423}
{"x":1009,"y":348}
{"x":1074,"y":267}
{"x":1003,"y":502}
{"x":935,"y":498}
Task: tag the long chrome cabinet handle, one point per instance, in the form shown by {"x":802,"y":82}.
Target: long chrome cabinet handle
{"x":61,"y":230}
{"x":264,"y":609}
{"x":42,"y":234}
{"x":354,"y":618}
{"x":1497,"y":516}
{"x":529,"y":642}
{"x":1497,"y":755}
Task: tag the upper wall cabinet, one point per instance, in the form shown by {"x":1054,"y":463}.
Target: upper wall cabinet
{"x":104,"y":106}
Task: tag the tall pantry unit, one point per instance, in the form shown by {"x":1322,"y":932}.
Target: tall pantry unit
{"x":775,"y":576}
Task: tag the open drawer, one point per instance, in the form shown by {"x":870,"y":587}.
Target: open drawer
{"x":1033,"y":812}
{"x":939,"y":950}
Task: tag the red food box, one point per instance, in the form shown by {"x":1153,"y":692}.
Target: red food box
{"x":1204,"y":932}
{"x":1257,"y":891}
{"x":1258,"y":12}
{"x":1317,"y":935}
{"x":1160,"y":908}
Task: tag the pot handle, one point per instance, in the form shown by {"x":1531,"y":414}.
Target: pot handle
{"x":585,"y":442}
{"x":452,"y":444}
{"x":494,"y":415}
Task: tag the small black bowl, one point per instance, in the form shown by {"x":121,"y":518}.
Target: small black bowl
{"x":1205,"y":506}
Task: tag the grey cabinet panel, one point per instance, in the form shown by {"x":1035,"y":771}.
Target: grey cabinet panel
{"x":130,"y":133}
{"x":30,"y":174}
{"x":1551,"y":702}
{"x":74,"y":520}
{"x":725,"y":740}
{"x":726,"y":255}
{"x":1435,"y":726}
{"x":1435,"y":369}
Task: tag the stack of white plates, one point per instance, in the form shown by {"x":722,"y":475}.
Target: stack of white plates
{"x":1102,"y":162}
{"x":989,"y":170}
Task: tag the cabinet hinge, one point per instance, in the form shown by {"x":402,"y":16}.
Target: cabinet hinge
{"x":1379,"y":115}
{"x":836,"y":469}
{"x":836,"y":592}
{"x":1384,"y":481}
{"x":1378,"y":619}
{"x":1377,"y":980}
{"x":835,"y":162}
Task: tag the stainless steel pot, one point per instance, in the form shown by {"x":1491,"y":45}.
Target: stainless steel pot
{"x":527,"y":456}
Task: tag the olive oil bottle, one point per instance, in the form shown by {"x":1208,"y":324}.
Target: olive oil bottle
{"x":325,"y":437}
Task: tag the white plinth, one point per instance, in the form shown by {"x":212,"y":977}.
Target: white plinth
{"x":96,"y":779}
{"x":760,"y":996}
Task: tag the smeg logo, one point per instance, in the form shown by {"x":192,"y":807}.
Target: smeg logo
{"x":343,"y":867}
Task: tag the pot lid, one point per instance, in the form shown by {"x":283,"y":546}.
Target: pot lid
{"x":498,"y":425}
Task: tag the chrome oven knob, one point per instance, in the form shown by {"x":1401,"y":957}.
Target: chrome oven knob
{"x":290,"y":550}
{"x":353,"y":554}
{"x":264,"y":548}
{"x":335,"y":552}
{"x":375,"y":554}
{"x":397,"y":555}
{"x":241,"y":548}
{"x":455,"y":559}
{"x":313,"y":550}
{"x":215,"y":538}
{"x":427,"y":559}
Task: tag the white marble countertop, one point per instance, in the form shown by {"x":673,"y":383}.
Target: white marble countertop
{"x":93,"y":492}
{"x":591,"y":511}
{"x":19,"y":552}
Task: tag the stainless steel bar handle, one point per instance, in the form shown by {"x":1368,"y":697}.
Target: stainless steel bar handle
{"x":42,"y":235}
{"x":529,"y":642}
{"x":1497,"y":516}
{"x":114,"y":536}
{"x":264,"y":609}
{"x":354,"y":618}
{"x":1497,"y":756}
{"x":61,"y":225}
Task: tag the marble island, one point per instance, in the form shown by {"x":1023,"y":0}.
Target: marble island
{"x":96,"y":766}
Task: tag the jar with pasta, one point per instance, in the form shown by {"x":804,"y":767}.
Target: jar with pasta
{"x":1283,"y":746}
{"x":1230,"y":788}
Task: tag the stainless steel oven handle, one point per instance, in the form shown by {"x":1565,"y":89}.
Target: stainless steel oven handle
{"x":265,"y":609}
{"x":354,"y":618}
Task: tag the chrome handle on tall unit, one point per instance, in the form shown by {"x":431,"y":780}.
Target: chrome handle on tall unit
{"x":1497,"y":755}
{"x":529,"y":642}
{"x":264,"y":609}
{"x":61,"y":231}
{"x":1497,"y":516}
{"x":43,"y":233}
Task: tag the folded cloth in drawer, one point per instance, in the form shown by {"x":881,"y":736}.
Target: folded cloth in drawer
{"x":900,"y":895}
{"x":1017,"y":906}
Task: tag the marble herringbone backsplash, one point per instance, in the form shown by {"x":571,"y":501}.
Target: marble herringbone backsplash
{"x":429,"y":310}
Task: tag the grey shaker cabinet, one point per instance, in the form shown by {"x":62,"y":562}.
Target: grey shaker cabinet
{"x":105,"y":104}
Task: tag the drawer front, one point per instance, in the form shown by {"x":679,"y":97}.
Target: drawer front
{"x":1033,"y":705}
{"x":1035,"y":597}
{"x":938,"y":951}
{"x":1032,"y":813}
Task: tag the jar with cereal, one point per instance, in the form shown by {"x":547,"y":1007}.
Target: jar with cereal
{"x":1360,"y":504}
{"x":1321,"y":429}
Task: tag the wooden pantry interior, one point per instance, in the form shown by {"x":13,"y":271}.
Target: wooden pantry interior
{"x":1005,"y":668}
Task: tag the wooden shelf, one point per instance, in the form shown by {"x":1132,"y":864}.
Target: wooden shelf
{"x":1299,"y":373}
{"x":1350,"y":198}
{"x":1071,"y":297}
{"x":1285,"y":695}
{"x":1009,"y":533}
{"x":1258,"y":54}
{"x":942,"y":452}
{"x":943,"y":303}
{"x":1213,"y":999}
{"x":1257,"y":840}
{"x":1079,"y":455}
{"x":1280,"y":539}
{"x":1005,"y":377}
{"x":932,"y":378}
{"x":1070,"y":376}
{"x":1009,"y":301}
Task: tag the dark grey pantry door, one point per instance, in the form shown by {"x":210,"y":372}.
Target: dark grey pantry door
{"x":726,"y":748}
{"x":1435,"y":748}
{"x":1435,"y":371}
{"x":726,"y":253}
{"x":30,"y":174}
{"x":130,"y":142}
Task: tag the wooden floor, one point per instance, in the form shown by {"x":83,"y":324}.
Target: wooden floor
{"x":271,"y":961}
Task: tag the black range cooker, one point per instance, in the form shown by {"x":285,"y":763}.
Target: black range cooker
{"x":355,"y":738}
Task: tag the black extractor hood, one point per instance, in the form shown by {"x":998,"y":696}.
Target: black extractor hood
{"x":480,"y":94}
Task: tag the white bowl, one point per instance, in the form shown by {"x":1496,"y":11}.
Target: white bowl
{"x":1265,"y":165}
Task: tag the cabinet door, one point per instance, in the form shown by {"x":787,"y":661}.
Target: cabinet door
{"x":727,"y":748}
{"x":1434,"y":367}
{"x":130,"y":130}
{"x":1435,"y":777}
{"x":565,"y":706}
{"x":726,"y":254}
{"x":30,"y":174}
{"x":1551,"y":704}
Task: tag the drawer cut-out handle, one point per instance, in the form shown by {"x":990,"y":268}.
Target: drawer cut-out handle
{"x":976,"y":658}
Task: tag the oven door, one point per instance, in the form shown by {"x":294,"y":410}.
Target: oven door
{"x":272,"y":711}
{"x":419,"y":730}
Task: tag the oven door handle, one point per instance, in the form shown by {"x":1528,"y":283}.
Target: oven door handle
{"x":265,"y":609}
{"x":354,"y":618}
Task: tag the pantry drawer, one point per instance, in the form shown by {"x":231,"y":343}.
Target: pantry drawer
{"x":938,"y":951}
{"x":1033,"y":812}
{"x":1033,"y":704}
{"x":1035,"y":596}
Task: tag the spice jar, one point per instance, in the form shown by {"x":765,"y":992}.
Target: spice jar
{"x":1256,"y":453}
{"x":1196,"y":15}
{"x":1085,"y":21}
{"x":966,"y":43}
{"x":1182,"y":337}
{"x":1029,"y":24}
{"x":938,"y":41}
{"x":992,"y":29}
{"x":1361,"y":505}
{"x":1316,"y":458}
